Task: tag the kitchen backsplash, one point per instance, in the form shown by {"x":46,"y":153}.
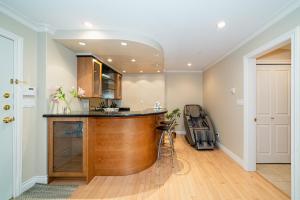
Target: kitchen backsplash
{"x":97,"y":102}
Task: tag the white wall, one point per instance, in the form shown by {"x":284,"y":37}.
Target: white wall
{"x":61,"y":70}
{"x":42,"y":105}
{"x":228,"y":73}
{"x":141,"y":91}
{"x":173,"y":90}
{"x":58,"y":67}
{"x":181,"y":89}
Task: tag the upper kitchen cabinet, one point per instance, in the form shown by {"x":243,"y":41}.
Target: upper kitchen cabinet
{"x":108,"y":83}
{"x":89,"y":72}
{"x":111,"y":83}
{"x":118,"y":86}
{"x":98,"y":79}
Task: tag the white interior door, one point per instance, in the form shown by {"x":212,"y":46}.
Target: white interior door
{"x":273,"y":130}
{"x":6,"y":117}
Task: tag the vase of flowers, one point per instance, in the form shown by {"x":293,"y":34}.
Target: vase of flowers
{"x":59,"y":96}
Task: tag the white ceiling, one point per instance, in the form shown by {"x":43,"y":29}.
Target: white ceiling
{"x":147,"y":58}
{"x":185,"y":29}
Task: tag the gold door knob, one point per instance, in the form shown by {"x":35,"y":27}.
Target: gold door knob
{"x":6,"y":107}
{"x":7,"y":120}
{"x":6,"y":95}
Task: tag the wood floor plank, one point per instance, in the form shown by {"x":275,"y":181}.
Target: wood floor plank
{"x":196,"y":175}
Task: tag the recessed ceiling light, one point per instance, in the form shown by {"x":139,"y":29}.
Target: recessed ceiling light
{"x":124,"y":71}
{"x":133,"y":60}
{"x":141,"y":71}
{"x":109,"y":60}
{"x":189,"y":64}
{"x":158,"y":71}
{"x":124,"y":43}
{"x":88,"y":24}
{"x":221,"y":24}
{"x":82,"y":43}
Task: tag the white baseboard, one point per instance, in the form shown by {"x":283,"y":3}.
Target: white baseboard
{"x":28,"y":184}
{"x":180,"y":132}
{"x":32,"y":181}
{"x":232,"y":155}
{"x":41,"y":179}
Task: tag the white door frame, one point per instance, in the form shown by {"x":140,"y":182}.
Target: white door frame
{"x":18,"y":111}
{"x":250,"y":105}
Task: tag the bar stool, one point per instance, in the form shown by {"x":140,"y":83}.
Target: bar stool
{"x":168,"y":122}
{"x":166,"y":130}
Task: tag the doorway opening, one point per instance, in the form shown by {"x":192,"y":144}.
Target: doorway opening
{"x":250,"y":97}
{"x":273,"y":117}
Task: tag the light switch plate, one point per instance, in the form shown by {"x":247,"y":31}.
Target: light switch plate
{"x":233,"y":91}
{"x":240,"y":102}
{"x":29,"y":102}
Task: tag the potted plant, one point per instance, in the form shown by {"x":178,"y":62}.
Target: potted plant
{"x":174,"y":115}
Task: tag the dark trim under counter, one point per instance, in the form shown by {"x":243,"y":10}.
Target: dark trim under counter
{"x":110,"y":114}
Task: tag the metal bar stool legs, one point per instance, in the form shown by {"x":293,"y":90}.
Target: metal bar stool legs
{"x":170,"y":138}
{"x":160,"y":144}
{"x":166,"y":131}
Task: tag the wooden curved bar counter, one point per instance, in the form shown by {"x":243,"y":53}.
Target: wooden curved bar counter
{"x":89,"y":144}
{"x":121,"y":145}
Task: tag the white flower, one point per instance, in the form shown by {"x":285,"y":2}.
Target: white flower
{"x":81,"y":92}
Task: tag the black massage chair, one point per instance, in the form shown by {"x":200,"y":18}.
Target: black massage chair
{"x":200,"y":131}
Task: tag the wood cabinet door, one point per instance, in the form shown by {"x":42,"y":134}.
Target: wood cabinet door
{"x":89,"y":76}
{"x":118,"y":86}
{"x":67,"y":147}
{"x":97,"y":79}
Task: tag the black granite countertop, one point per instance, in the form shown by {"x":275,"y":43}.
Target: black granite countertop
{"x":110,"y":114}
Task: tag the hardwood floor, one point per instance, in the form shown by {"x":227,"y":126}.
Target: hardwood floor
{"x":197,"y":175}
{"x":278,"y":174}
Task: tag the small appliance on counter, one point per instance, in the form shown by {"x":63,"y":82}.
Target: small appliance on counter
{"x":111,"y":109}
{"x":157,"y":105}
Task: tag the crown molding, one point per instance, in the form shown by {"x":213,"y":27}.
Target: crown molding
{"x":46,"y":28}
{"x":280,"y":15}
{"x":12,"y":13}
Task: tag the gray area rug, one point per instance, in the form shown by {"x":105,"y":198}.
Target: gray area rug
{"x":42,"y":191}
